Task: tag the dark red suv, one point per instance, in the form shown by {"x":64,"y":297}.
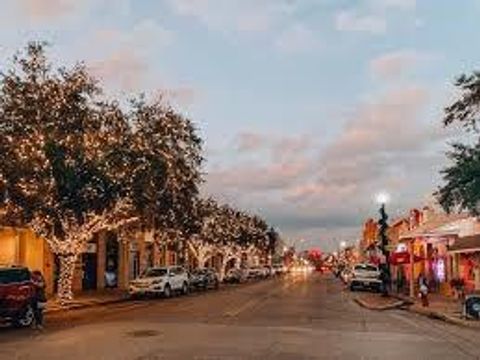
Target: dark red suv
{"x":16,"y":295}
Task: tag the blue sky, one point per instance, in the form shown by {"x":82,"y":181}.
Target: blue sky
{"x":308,"y":107}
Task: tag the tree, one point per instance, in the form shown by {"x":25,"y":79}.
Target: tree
{"x":461,"y":188}
{"x":54,"y":133}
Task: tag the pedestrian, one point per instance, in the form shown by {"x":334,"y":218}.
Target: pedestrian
{"x":423,"y":290}
{"x":39,"y":298}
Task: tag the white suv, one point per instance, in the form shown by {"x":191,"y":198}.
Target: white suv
{"x":365,"y":276}
{"x":160,"y":281}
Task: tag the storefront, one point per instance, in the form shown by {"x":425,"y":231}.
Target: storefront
{"x":22,"y":247}
{"x":465,"y":253}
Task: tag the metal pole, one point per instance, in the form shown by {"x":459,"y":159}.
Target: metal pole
{"x":412,"y":268}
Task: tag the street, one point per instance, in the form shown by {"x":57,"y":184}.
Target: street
{"x":297,"y":317}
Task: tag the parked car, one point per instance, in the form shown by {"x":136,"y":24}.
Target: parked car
{"x":256,"y":272}
{"x":204,"y":279}
{"x":267,"y":271}
{"x":279,"y":269}
{"x":16,"y":296}
{"x":365,"y":276}
{"x":160,"y":281}
{"x":235,"y":276}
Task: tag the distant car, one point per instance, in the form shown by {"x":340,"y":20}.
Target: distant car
{"x":268,"y":271}
{"x":279,"y":269}
{"x":365,"y":276}
{"x":160,"y":281}
{"x":235,"y":276}
{"x":16,"y":296}
{"x":204,"y":279}
{"x":256,"y":272}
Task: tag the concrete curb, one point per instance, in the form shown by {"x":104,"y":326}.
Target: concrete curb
{"x":443,"y":317}
{"x":366,"y":305}
{"x":432,"y":314}
{"x":80,"y":306}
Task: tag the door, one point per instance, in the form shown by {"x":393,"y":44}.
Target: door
{"x":111,"y":261}
{"x":176,"y":280}
{"x":134,"y":264}
{"x":89,"y":266}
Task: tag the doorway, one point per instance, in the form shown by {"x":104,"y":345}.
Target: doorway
{"x":89,"y":266}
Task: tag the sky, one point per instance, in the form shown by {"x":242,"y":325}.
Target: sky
{"x":308,"y":108}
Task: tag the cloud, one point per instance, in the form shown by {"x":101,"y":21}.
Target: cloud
{"x":396,"y":63}
{"x":51,"y":12}
{"x":254,"y":178}
{"x":298,"y":38}
{"x":389,"y":123}
{"x":281,"y":148}
{"x":322,"y":193}
{"x":396,"y":4}
{"x":248,"y":141}
{"x":351,"y":20}
{"x":121,"y":70}
{"x":370,"y":16}
{"x":234,"y":15}
{"x":47,"y":9}
{"x":122,"y":58}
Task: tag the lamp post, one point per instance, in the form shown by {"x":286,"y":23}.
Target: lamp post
{"x":382,"y":199}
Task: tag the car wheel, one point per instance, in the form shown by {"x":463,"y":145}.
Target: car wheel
{"x":167,"y":291}
{"x":26,"y":318}
{"x":185,"y":288}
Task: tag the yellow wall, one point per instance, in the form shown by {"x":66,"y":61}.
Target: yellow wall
{"x":23,"y":247}
{"x":8,"y":247}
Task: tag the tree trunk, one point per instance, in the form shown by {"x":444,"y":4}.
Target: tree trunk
{"x":221,"y":275}
{"x":65,"y":282}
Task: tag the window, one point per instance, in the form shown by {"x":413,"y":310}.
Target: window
{"x":14,"y":276}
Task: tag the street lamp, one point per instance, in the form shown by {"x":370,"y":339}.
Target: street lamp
{"x":382,"y":199}
{"x":343,"y":244}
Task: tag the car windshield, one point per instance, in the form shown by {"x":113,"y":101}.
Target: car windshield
{"x":199,"y":272}
{"x":13,"y":276}
{"x":365,"y":267}
{"x":154,"y":273}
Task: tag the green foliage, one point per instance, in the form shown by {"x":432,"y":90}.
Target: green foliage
{"x":461,"y":188}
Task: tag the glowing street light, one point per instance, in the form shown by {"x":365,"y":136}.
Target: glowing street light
{"x":382,"y":198}
{"x":343,"y":244}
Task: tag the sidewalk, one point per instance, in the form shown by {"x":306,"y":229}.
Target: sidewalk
{"x":95,"y":298}
{"x":440,"y":307}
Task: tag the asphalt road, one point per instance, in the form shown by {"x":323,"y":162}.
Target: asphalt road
{"x":298,"y":317}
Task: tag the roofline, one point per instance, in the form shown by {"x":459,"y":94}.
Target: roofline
{"x":468,"y":250}
{"x":428,"y":235}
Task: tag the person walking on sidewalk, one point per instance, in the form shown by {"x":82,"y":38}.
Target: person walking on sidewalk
{"x":39,"y":299}
{"x":422,"y":282}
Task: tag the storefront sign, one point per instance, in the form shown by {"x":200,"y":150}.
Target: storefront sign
{"x":400,"y":258}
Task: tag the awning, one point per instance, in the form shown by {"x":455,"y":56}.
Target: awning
{"x":466,"y":244}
